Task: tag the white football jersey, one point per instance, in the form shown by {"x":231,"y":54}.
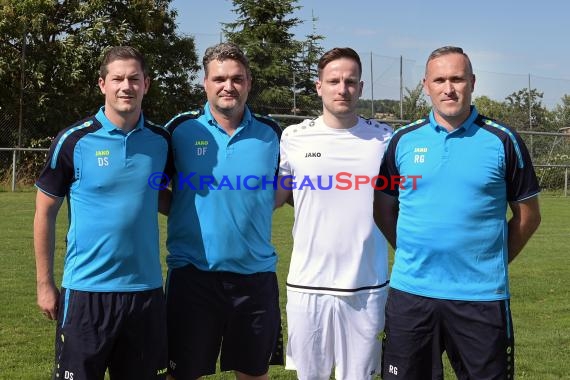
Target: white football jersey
{"x":337,"y":248}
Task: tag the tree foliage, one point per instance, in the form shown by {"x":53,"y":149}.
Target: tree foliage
{"x":561,"y":113}
{"x":414,"y":103}
{"x":523,"y":111}
{"x":518,"y":114}
{"x":64,"y":41}
{"x":491,"y":108}
{"x":263,"y":31}
{"x":306,"y":74}
{"x":381,"y":106}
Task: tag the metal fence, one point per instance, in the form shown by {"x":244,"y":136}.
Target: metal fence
{"x":25,"y":166}
{"x":550,"y":154}
{"x":20,"y":166}
{"x":21,"y":156}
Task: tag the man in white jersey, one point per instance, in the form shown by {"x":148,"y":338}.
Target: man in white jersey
{"x":338,"y":277}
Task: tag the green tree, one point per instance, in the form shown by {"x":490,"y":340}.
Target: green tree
{"x":263,"y":31}
{"x":414,"y":104}
{"x":518,"y":111}
{"x":64,"y":41}
{"x":491,"y":108}
{"x":560,"y":149}
{"x":381,"y":106}
{"x":539,"y":120}
{"x":306,"y":74}
{"x":561,"y":113}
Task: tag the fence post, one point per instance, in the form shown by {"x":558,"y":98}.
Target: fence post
{"x":566,"y":181}
{"x":14,"y":170}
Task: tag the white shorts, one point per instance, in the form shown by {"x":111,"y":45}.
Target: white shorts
{"x":343,"y":332}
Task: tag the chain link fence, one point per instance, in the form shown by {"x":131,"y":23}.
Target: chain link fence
{"x":20,"y":165}
{"x":8,"y":139}
{"x":550,"y":152}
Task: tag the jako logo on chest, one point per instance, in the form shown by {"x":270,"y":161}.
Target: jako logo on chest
{"x":312,"y":154}
{"x":102,"y":157}
{"x":420,"y":158}
{"x":201,"y":147}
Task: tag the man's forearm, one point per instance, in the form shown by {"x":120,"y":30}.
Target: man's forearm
{"x":526,"y":219}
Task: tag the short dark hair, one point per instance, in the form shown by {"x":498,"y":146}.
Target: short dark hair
{"x":121,"y":53}
{"x":449,"y":50}
{"x":223,"y":51}
{"x":337,"y":53}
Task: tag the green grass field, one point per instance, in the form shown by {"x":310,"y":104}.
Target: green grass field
{"x":540,"y":284}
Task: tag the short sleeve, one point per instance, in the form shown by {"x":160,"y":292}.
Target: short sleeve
{"x":389,"y":169}
{"x":520,"y":175}
{"x":57,"y":176}
{"x":284,"y":165}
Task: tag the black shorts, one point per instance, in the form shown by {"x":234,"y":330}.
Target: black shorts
{"x":124,"y":332}
{"x":238,"y":313}
{"x":477,"y":336}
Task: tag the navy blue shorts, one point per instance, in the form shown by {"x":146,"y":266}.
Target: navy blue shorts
{"x":124,"y":332}
{"x":212,"y":311}
{"x":477,"y":336}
